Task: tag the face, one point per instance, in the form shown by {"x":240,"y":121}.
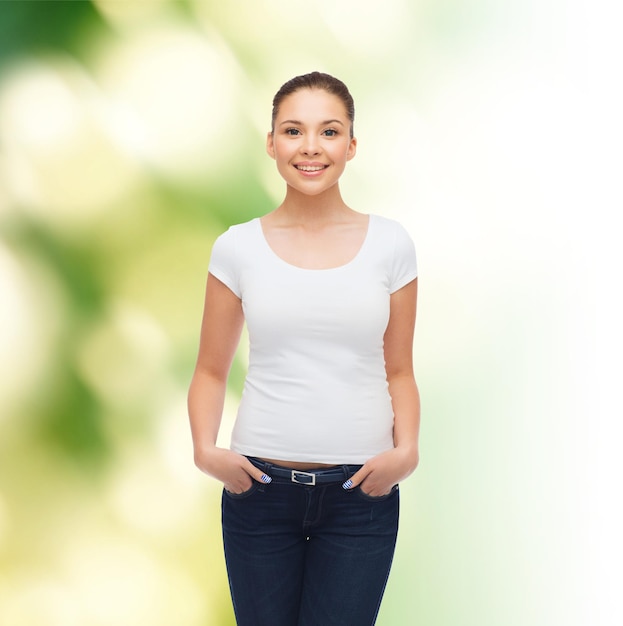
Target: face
{"x":311,"y":141}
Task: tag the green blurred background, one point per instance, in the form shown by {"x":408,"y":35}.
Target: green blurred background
{"x":132,"y":134}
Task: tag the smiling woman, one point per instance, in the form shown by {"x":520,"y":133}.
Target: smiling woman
{"x":329,"y":418}
{"x":311,"y":141}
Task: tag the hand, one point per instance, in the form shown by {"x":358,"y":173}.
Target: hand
{"x":234,"y":470}
{"x":378,"y":475}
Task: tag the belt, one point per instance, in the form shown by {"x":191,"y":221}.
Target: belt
{"x":336,"y":474}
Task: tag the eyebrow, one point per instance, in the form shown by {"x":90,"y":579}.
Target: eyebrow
{"x":299,"y":123}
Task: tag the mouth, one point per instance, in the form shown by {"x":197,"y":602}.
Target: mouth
{"x":310,"y":168}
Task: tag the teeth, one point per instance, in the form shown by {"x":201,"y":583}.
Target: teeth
{"x":310,"y":168}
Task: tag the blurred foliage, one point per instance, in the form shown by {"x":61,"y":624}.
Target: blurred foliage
{"x":66,"y":413}
{"x":28,"y":27}
{"x":111,"y":285}
{"x":69,"y":413}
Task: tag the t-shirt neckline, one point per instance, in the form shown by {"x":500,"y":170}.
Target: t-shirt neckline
{"x":352,"y":261}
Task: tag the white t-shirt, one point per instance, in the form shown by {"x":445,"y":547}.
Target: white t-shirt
{"x":316,"y":389}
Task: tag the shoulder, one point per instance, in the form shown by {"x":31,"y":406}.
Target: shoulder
{"x":389,"y":229}
{"x":394,"y":243}
{"x":237,"y":236}
{"x":240,"y":230}
{"x":231,"y":252}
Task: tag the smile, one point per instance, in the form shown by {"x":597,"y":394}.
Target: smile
{"x":311,"y":168}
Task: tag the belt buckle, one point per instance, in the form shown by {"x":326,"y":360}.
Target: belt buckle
{"x":295,"y":478}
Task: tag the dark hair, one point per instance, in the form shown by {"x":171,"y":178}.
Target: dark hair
{"x":315,"y":80}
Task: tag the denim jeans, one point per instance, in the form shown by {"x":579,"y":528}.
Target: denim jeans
{"x":301,"y":555}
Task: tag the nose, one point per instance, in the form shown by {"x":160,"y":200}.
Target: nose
{"x":310,"y":146}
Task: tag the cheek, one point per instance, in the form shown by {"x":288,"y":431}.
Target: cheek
{"x":281,"y":152}
{"x":282,"y":158}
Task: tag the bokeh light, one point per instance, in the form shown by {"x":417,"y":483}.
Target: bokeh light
{"x":53,"y":126}
{"x":171,"y":78}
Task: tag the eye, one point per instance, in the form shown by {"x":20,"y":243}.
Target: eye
{"x":330,"y":132}
{"x":292,"y":131}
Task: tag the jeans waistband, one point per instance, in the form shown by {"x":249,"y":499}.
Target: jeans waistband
{"x":337,"y":474}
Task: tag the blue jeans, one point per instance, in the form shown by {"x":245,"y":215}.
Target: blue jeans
{"x":302,"y":555}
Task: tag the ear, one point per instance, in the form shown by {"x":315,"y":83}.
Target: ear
{"x":270,"y":145}
{"x":352,"y":149}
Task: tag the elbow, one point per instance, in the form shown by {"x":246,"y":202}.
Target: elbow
{"x":413,"y":459}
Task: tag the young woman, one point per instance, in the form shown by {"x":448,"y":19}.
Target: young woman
{"x":329,"y":418}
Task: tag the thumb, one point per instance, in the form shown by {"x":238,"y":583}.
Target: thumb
{"x":357,"y":478}
{"x":256,"y":473}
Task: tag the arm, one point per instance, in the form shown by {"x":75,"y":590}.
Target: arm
{"x":220,"y":333}
{"x":380,"y":473}
{"x":399,"y":366}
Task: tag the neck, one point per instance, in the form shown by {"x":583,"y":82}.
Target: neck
{"x":323,"y":207}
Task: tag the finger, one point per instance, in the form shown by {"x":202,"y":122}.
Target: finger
{"x":357,"y":478}
{"x":257,"y":474}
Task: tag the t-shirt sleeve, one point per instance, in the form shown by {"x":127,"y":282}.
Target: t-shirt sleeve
{"x":404,"y":263}
{"x":223,"y":261}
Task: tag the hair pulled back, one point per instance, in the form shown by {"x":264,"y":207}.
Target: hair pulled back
{"x":315,"y":80}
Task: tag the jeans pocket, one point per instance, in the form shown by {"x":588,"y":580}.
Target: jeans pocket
{"x":362,"y":494}
{"x":245,"y":494}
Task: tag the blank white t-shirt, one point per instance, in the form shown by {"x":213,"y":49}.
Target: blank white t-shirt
{"x":316,"y":388}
